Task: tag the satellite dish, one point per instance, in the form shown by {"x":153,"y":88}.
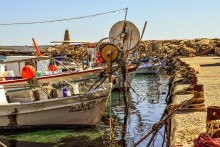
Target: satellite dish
{"x":126,"y":35}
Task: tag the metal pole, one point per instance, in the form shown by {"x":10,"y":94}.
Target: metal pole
{"x":126,"y":12}
{"x":143,"y":30}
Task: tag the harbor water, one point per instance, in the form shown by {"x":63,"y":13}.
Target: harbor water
{"x":146,"y":105}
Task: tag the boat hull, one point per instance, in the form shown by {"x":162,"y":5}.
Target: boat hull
{"x":131,"y":74}
{"x":130,"y":78}
{"x":72,"y":111}
{"x":148,"y":70}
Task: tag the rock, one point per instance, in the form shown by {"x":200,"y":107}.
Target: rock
{"x":217,"y":50}
{"x":192,"y":55}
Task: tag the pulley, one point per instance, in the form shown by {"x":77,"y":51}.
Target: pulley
{"x":109,"y":52}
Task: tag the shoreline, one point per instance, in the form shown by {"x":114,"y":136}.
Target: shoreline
{"x":186,"y":125}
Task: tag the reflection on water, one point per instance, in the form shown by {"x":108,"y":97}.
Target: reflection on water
{"x":147,"y":103}
{"x":147,"y":106}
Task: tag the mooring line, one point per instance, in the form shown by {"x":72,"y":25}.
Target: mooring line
{"x":2,"y":144}
{"x":159,"y":124}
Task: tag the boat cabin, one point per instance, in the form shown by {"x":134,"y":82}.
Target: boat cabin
{"x":13,"y":65}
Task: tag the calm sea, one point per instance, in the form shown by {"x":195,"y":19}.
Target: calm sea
{"x":147,"y":103}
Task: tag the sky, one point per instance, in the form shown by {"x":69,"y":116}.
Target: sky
{"x":166,"y":19}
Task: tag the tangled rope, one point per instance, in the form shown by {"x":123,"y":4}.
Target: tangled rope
{"x":157,"y":126}
{"x":206,"y":140}
{"x":2,"y":144}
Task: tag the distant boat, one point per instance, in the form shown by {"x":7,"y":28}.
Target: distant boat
{"x":163,"y":62}
{"x":149,"y":66}
{"x":131,"y":72}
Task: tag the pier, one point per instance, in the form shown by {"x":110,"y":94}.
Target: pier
{"x":187,"y":124}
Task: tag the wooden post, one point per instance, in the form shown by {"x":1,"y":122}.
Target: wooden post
{"x":199,"y":103}
{"x":193,"y":81}
{"x":213,"y":121}
{"x":34,"y":85}
{"x":199,"y":90}
{"x":182,"y":63}
{"x":170,"y":108}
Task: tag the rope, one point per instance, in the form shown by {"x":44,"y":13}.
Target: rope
{"x":65,"y":19}
{"x":80,"y":96}
{"x":2,"y":144}
{"x":205,"y":139}
{"x":110,"y":113}
{"x":158,"y":125}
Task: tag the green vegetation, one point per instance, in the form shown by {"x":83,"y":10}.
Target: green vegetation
{"x":51,"y":136}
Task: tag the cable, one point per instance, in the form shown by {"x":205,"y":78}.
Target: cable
{"x":2,"y":144}
{"x":65,"y":19}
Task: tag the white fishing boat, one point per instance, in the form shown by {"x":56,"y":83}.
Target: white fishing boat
{"x":55,"y":98}
{"x":149,"y":66}
{"x":81,"y":110}
{"x":12,"y":66}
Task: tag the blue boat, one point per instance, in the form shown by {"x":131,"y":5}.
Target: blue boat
{"x":149,"y":66}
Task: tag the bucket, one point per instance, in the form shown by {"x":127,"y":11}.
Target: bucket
{"x":64,"y":92}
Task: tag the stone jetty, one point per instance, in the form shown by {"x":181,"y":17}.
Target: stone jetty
{"x":188,"y":123}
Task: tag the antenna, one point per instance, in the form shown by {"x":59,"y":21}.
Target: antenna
{"x":143,"y":30}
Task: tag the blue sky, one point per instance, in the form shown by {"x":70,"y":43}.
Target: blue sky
{"x":167,"y":19}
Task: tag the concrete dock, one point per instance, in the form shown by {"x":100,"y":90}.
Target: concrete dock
{"x":187,"y":125}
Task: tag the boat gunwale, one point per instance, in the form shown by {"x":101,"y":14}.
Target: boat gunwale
{"x":68,"y":104}
{"x":53,"y":76}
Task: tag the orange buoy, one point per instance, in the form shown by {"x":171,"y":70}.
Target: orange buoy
{"x":100,"y":60}
{"x":28,"y":72}
{"x":52,"y":67}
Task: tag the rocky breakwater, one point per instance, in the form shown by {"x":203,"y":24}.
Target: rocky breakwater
{"x":77,"y":52}
{"x":188,"y":48}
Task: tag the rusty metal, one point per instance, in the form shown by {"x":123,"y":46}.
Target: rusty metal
{"x":213,"y":121}
{"x":13,"y":118}
{"x":199,"y":102}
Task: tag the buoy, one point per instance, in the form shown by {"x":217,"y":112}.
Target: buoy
{"x":100,"y":60}
{"x":28,"y":72}
{"x":91,"y":46}
{"x":52,"y":67}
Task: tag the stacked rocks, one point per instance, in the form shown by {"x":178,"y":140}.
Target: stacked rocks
{"x":188,"y":48}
